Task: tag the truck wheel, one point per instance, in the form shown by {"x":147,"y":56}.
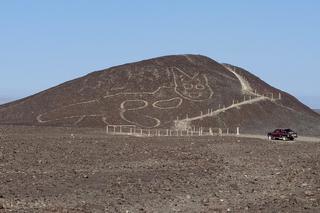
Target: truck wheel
{"x":269,"y":138}
{"x":284,"y":138}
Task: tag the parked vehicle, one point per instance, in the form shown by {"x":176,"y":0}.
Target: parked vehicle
{"x":282,"y":134}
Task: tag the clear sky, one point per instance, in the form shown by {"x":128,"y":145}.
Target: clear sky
{"x":44,"y":43}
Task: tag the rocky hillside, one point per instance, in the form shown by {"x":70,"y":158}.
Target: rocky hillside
{"x":166,"y":92}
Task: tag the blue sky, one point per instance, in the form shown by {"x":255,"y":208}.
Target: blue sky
{"x":44,"y":43}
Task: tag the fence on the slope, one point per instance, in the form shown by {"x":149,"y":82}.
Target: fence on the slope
{"x":182,"y":122}
{"x":190,"y":132}
{"x":182,"y":125}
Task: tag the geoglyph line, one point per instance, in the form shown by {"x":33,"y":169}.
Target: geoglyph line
{"x":246,"y":89}
{"x":155,"y":104}
{"x":180,"y":97}
{"x":80,"y":117}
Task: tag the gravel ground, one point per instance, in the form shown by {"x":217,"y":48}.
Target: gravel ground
{"x":46,"y":169}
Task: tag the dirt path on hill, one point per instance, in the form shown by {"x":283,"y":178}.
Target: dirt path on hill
{"x":246,"y":88}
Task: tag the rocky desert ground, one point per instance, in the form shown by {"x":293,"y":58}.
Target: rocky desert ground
{"x":46,"y":169}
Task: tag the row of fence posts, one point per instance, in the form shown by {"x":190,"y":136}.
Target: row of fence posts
{"x":133,"y":130}
{"x":210,"y":112}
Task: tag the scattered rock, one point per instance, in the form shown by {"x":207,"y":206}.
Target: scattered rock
{"x":283,"y":197}
{"x":308,"y":193}
{"x":200,"y":180}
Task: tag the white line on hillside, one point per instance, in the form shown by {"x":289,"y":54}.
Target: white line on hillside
{"x":246,"y":88}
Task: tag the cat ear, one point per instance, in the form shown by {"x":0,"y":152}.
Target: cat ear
{"x":177,"y":72}
{"x":174,"y":69}
{"x":181,"y":77}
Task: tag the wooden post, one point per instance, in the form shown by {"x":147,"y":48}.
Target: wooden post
{"x":130,"y":131}
{"x":280,"y":96}
{"x":170,"y":132}
{"x":107,"y":129}
{"x":114,"y":130}
{"x":220,"y":132}
{"x":120,"y":129}
{"x":227,"y":131}
{"x":167,"y":132}
{"x":238,"y":131}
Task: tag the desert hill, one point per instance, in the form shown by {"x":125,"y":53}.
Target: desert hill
{"x":165,"y":92}
{"x":4,"y":100}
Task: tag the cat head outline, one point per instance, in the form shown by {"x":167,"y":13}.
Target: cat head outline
{"x":194,"y":88}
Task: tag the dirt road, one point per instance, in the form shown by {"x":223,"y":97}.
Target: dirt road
{"x":299,"y":139}
{"x":83,"y":170}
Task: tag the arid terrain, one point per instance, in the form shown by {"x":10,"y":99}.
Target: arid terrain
{"x":177,"y":91}
{"x":46,"y":169}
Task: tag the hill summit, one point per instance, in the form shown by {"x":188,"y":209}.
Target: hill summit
{"x":167,"y":92}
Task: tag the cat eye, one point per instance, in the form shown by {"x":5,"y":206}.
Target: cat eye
{"x":199,"y":86}
{"x":187,"y":86}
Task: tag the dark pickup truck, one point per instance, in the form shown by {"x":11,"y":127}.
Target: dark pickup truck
{"x":282,"y":134}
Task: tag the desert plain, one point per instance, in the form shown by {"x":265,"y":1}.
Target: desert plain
{"x":59,"y":169}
